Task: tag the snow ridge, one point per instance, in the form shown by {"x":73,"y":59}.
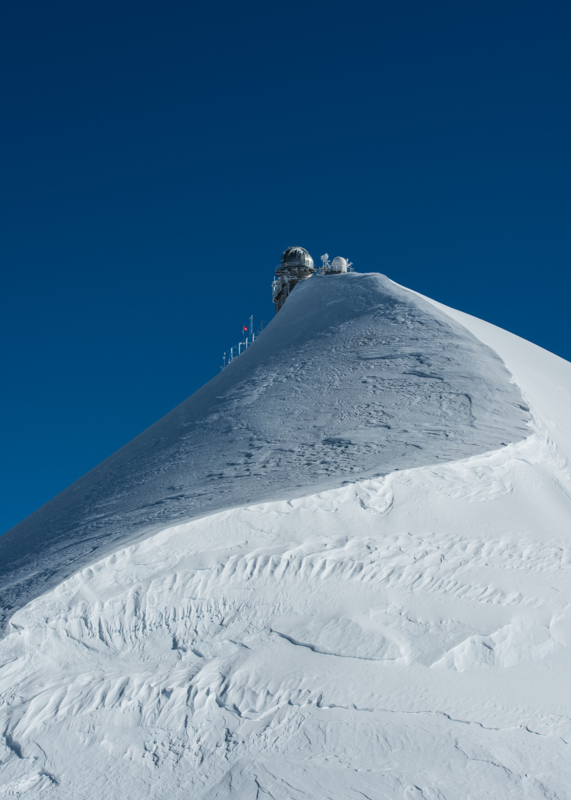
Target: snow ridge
{"x":355,"y":378}
{"x":388,"y":616}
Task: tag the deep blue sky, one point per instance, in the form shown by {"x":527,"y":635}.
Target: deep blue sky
{"x":158,"y":157}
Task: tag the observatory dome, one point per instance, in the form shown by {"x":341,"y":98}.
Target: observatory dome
{"x":339,"y":264}
{"x":296,"y":257}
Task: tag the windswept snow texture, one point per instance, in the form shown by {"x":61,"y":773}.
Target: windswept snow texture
{"x":356,"y":377}
{"x":406,"y":637}
{"x":400,"y":637}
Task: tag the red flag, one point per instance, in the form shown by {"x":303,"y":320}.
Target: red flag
{"x":245,"y":328}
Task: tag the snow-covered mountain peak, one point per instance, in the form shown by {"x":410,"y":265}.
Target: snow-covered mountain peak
{"x":327,"y":574}
{"x":355,"y":377}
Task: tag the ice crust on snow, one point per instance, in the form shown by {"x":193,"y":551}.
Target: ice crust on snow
{"x":355,"y":378}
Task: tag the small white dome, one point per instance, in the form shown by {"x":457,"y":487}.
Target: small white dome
{"x":339,"y":264}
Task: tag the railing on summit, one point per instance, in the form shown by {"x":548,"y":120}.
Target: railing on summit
{"x":247,"y":341}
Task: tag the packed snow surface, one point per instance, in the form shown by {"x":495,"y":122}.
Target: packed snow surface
{"x":356,"y":377}
{"x":404,"y":633}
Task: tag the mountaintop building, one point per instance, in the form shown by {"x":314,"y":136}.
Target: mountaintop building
{"x":297,"y":265}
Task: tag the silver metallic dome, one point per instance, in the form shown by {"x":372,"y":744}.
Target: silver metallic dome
{"x":296,"y":257}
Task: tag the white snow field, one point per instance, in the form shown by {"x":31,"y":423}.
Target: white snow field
{"x":386,"y":615}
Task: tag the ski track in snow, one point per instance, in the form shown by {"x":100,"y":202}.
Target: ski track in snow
{"x":401,"y":636}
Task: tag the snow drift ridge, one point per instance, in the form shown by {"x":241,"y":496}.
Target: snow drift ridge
{"x":355,"y":378}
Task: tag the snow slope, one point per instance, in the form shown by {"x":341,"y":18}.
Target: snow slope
{"x":355,"y":377}
{"x":400,"y":636}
